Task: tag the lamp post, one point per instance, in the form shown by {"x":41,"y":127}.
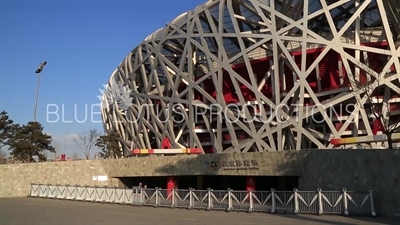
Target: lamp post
{"x":38,"y":72}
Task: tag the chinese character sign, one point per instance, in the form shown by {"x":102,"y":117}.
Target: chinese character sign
{"x":232,"y":165}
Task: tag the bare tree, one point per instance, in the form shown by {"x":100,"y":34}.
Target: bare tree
{"x":86,"y":140}
{"x":75,"y":155}
{"x":57,"y":148}
{"x":378,"y":94}
{"x":375,"y":77}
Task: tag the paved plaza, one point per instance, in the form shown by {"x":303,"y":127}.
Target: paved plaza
{"x":35,"y":211}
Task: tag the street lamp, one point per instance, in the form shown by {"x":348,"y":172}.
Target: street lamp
{"x":39,"y":72}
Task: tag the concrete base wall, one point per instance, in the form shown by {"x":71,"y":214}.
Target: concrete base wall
{"x":327,"y":169}
{"x":356,"y":170}
{"x":15,"y":179}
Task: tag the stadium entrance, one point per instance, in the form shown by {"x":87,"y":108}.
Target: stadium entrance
{"x":216,"y":182}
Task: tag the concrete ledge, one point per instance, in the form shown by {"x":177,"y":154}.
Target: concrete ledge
{"x":326,"y":169}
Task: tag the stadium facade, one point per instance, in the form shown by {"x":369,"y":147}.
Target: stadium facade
{"x":236,"y":76}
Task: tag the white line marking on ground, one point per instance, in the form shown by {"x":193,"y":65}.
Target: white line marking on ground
{"x":187,"y":219}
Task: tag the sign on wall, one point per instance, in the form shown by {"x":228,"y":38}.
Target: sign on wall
{"x":233,"y":165}
{"x":100,"y":178}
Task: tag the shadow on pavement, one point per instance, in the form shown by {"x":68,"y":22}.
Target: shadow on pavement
{"x":340,"y":220}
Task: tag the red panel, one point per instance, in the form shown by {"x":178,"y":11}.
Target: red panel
{"x":338,"y":141}
{"x":394,"y":106}
{"x":338,"y":125}
{"x":377,"y":126}
{"x":165,"y":144}
{"x":329,"y":71}
{"x":227,"y":137}
{"x":195,"y":151}
{"x":208,"y":150}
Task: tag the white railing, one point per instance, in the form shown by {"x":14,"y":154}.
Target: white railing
{"x":318,"y":202}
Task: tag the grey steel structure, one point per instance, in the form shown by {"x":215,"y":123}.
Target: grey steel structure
{"x":282,"y":75}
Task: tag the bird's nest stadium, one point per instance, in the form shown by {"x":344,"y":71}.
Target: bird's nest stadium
{"x":236,"y":76}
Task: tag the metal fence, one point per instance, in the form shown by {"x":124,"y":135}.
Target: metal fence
{"x":317,"y":202}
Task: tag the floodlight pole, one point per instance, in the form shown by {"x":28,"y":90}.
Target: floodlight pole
{"x":39,"y":72}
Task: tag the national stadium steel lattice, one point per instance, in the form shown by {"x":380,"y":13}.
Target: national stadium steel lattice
{"x":237,"y":76}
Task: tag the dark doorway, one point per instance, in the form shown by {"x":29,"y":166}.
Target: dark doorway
{"x":183,"y":182}
{"x":263,"y":183}
{"x":186,"y":182}
{"x":150,"y":182}
{"x":279,"y":183}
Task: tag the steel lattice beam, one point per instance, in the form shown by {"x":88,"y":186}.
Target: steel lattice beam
{"x":292,"y":59}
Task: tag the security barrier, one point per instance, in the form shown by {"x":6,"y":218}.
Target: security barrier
{"x":318,"y":202}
